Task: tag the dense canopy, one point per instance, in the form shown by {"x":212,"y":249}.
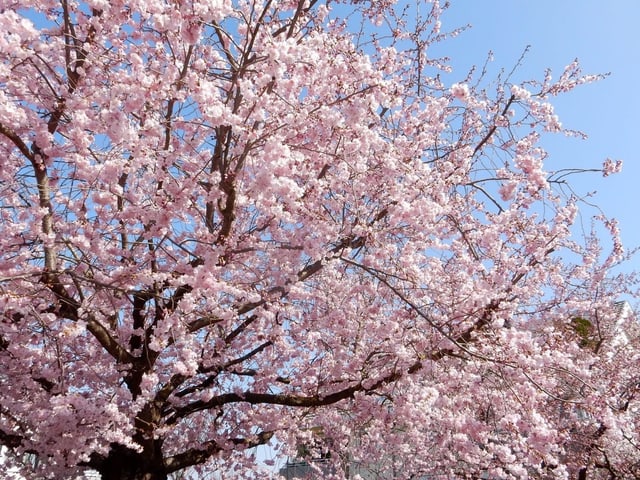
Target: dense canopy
{"x":228,"y":223}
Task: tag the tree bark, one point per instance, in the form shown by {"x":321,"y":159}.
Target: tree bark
{"x":123,"y":463}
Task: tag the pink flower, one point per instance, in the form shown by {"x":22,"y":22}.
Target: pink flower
{"x":460,"y":91}
{"x":507,"y":190}
{"x":609,"y":167}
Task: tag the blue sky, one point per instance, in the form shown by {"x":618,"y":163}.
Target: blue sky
{"x":605,"y":37}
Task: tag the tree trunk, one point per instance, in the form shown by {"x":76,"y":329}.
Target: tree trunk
{"x":123,"y":463}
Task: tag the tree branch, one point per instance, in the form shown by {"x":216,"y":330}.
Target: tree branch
{"x":196,"y":456}
{"x":493,"y":128}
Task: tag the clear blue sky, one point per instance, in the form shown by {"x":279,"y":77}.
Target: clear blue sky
{"x":605,"y":37}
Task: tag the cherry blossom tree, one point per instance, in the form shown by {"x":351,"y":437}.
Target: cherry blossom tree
{"x":229,"y":222}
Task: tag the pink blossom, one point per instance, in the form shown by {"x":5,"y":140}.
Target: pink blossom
{"x":460,"y":91}
{"x":239,"y":225}
{"x":610,"y":167}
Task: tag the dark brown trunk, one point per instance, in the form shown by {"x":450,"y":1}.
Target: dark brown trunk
{"x":123,"y":463}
